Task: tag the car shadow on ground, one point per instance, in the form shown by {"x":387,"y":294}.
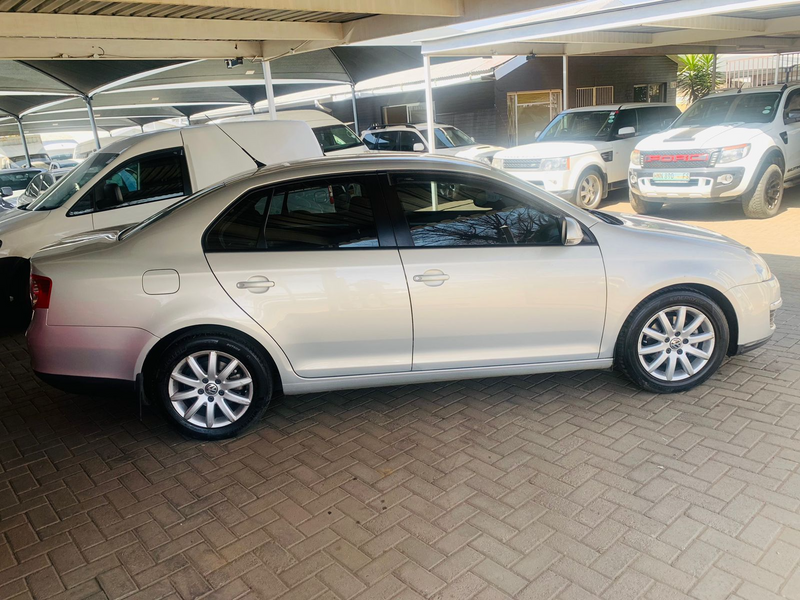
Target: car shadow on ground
{"x":709,"y":212}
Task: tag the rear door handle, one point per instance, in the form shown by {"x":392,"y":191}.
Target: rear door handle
{"x":258,"y":284}
{"x":432,"y":277}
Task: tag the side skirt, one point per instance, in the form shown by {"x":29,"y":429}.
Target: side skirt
{"x":298,"y":385}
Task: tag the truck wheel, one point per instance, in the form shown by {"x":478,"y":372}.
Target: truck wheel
{"x":765,"y":200}
{"x":589,"y":191}
{"x":644,"y":207}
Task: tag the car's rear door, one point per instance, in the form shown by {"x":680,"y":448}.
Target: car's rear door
{"x":490,"y":282}
{"x":316,"y":265}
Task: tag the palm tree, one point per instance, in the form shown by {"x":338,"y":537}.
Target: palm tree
{"x":696,"y":75}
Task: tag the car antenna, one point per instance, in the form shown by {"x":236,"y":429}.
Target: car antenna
{"x":739,"y":91}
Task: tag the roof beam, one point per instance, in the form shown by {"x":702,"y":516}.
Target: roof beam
{"x":42,"y":48}
{"x":716,"y":23}
{"x":629,"y":16}
{"x":427,"y":8}
{"x":152,"y":28}
{"x":601,"y":37}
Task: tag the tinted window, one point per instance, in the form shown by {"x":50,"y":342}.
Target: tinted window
{"x":396,"y":141}
{"x":729,"y":109}
{"x":151,"y":178}
{"x":450,"y":213}
{"x":72,"y":183}
{"x":625,"y":118}
{"x":650,"y":120}
{"x":792,"y":104}
{"x":579,"y":125}
{"x":17,"y":181}
{"x":321,"y":214}
{"x":451,"y":137}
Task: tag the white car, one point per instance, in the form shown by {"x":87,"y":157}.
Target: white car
{"x":584,"y":152}
{"x":384,"y":270}
{"x":740,"y":145}
{"x":450,"y":141}
{"x":131,"y":179}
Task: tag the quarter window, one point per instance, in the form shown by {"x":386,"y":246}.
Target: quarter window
{"x":454,"y":213}
{"x":316,"y":215}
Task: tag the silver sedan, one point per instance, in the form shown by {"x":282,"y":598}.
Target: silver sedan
{"x":384,"y":270}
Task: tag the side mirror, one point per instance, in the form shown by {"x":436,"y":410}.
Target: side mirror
{"x":418,"y":147}
{"x":6,"y":191}
{"x":571,"y":232}
{"x":794,"y":115}
{"x":626,"y":132}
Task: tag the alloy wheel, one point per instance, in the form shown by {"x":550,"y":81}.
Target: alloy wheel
{"x":210,"y":389}
{"x":589,"y":191}
{"x":774,"y":191}
{"x":676,"y":343}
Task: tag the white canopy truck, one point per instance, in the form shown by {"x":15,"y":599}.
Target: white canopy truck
{"x":132,"y":179}
{"x":741,"y":146}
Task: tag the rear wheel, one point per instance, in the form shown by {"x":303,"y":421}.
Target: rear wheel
{"x":765,"y":201}
{"x":589,"y":191}
{"x":673,"y":341}
{"x":644,"y":207}
{"x":212,"y":386}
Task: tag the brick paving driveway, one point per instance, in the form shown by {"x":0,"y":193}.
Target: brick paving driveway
{"x":566,"y":486}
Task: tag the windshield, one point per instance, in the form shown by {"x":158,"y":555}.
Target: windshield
{"x":452,"y":137}
{"x":336,"y":137}
{"x":585,"y":125}
{"x":17,"y":180}
{"x":70,"y":185}
{"x":167,"y":211}
{"x":730,"y":109}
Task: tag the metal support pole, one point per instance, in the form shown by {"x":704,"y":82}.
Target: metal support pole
{"x":92,"y":122}
{"x":714,"y":74}
{"x":252,"y":109}
{"x":355,"y":110}
{"x":270,"y":91}
{"x":565,"y":82}
{"x":426,"y":62}
{"x":24,"y":143}
{"x":777,"y":67}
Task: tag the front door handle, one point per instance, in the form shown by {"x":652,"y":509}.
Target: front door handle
{"x":258,"y":284}
{"x":432,"y":277}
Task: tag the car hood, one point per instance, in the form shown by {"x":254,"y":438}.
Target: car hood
{"x":15,"y":217}
{"x":476,"y":152}
{"x":664,"y":226}
{"x":551,"y":150}
{"x":699,"y":137}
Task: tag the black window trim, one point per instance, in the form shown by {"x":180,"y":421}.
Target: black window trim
{"x":187,"y":184}
{"x":383,"y":224}
{"x":403,"y":230}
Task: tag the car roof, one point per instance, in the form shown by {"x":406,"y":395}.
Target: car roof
{"x":620,"y":106}
{"x":756,"y":90}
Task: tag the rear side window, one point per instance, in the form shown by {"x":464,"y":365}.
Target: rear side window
{"x":393,"y":141}
{"x":322,"y":214}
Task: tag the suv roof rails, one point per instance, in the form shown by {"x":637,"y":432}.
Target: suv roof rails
{"x":384,"y":126}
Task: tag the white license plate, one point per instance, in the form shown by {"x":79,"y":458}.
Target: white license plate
{"x":671,"y":176}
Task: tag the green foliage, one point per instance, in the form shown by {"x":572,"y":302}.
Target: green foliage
{"x":695,"y":76}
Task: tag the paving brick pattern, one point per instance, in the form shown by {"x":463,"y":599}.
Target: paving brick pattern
{"x":569,"y":486}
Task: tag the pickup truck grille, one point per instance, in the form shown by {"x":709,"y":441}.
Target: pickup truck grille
{"x":521,"y":163}
{"x":681,"y":159}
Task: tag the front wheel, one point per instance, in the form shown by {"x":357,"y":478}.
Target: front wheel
{"x":644,"y":207}
{"x":212,"y":386}
{"x":589,"y":191}
{"x":765,"y":201}
{"x":673,"y":341}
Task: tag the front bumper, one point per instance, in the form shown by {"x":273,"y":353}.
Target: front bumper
{"x":555,"y":182}
{"x":92,"y":353}
{"x":704,"y":184}
{"x":756,"y":305}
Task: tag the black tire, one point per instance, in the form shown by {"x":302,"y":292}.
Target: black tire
{"x":765,"y":201}
{"x":249,"y":356}
{"x":626,"y":354}
{"x":592,"y":178}
{"x":644,"y":207}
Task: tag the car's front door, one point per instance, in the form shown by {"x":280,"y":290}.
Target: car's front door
{"x":137,"y":189}
{"x":617,"y":169}
{"x":490,"y":282}
{"x":791,"y":133}
{"x":316,"y":265}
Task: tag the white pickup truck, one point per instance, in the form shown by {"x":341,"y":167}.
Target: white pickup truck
{"x":741,"y":145}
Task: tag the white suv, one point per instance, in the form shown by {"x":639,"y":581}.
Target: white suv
{"x":739,"y":145}
{"x":414,"y":138}
{"x":584,"y":152}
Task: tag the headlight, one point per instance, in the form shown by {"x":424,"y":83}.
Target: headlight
{"x":497,"y":162}
{"x":636,"y":157}
{"x":733,"y":153}
{"x":761,"y":266}
{"x":554,"y":164}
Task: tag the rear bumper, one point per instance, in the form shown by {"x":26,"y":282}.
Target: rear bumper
{"x":92,"y":353}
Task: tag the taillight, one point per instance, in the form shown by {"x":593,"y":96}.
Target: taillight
{"x":40,"y":291}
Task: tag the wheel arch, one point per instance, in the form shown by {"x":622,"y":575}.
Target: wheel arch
{"x":714,"y":294}
{"x":158,"y":349}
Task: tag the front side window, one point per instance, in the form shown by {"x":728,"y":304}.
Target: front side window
{"x":449,"y":212}
{"x":792,"y":105}
{"x":322,"y":214}
{"x":147,"y":179}
{"x":70,"y":185}
{"x":730,"y":109}
{"x":451,"y":137}
{"x":583,"y":125}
